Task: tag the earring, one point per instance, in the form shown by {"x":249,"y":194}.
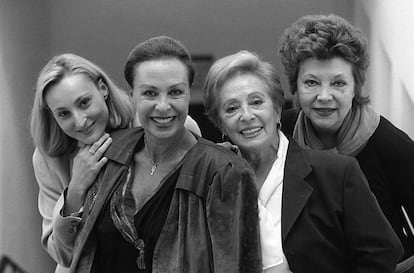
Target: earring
{"x":278,"y":125}
{"x":224,"y":138}
{"x":106,"y":95}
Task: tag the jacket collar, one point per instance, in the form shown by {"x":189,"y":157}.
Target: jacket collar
{"x":296,"y":191}
{"x":121,"y":150}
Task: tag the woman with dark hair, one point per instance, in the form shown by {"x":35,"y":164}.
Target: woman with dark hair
{"x":325,"y":59}
{"x":167,"y":200}
{"x":76,"y":108}
{"x":316,"y":211}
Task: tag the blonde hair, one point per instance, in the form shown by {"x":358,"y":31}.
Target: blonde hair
{"x":45,"y":131}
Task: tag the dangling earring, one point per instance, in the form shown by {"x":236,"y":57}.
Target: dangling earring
{"x":106,"y":95}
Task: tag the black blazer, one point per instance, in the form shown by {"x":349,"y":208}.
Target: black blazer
{"x":331,"y":222}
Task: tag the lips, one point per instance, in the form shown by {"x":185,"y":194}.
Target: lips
{"x":162,"y":120}
{"x":251,"y":131}
{"x":324,"y":111}
{"x":88,"y":129}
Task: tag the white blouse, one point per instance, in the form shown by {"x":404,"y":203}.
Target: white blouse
{"x":270,"y":212}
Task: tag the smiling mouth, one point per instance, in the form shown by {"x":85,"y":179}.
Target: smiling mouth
{"x":88,"y":129}
{"x":161,"y":120}
{"x":251,"y":132}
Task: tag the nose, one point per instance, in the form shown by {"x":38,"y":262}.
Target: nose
{"x":163,"y":103}
{"x":325,"y":93}
{"x":80,"y":119}
{"x":246,"y":113}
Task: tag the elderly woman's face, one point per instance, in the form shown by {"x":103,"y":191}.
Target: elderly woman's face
{"x":326,"y":89}
{"x":247,"y":113}
{"x":161,"y":95}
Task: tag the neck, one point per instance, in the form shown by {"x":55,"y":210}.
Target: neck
{"x":261,"y":160}
{"x":163,"y":150}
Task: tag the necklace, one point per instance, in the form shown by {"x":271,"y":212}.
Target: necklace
{"x":153,"y":167}
{"x":153,"y":163}
{"x":171,"y":155}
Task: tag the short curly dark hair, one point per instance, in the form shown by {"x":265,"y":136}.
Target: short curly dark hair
{"x":324,"y":37}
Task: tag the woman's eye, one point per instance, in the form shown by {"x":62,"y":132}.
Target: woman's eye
{"x":62,"y":114}
{"x":149,"y":93}
{"x":311,"y":83}
{"x":257,"y":102}
{"x":339,"y":83}
{"x":85,"y":103}
{"x":231,"y":109}
{"x":176,"y":92}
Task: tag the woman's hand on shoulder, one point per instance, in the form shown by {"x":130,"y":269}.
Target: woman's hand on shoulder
{"x":86,"y":166}
{"x":234,"y":148}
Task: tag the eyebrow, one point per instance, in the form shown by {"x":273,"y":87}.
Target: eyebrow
{"x":153,"y":86}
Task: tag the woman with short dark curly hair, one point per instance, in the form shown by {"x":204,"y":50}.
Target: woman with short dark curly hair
{"x":326,"y":59}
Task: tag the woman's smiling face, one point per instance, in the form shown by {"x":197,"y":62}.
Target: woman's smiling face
{"x":162,"y":96}
{"x":79,"y":107}
{"x":326,"y":89}
{"x":247,"y":113}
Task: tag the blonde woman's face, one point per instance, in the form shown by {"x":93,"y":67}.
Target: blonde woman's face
{"x":79,"y":107}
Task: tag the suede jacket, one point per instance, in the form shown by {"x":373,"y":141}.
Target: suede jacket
{"x":212,"y":223}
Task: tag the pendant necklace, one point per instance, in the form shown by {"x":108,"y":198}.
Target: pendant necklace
{"x":153,"y":163}
{"x":153,"y":167}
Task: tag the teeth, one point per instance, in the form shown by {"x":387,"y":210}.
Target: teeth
{"x":250,"y":131}
{"x":163,"y":120}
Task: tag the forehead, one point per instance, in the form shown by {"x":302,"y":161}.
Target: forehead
{"x":160,"y":69}
{"x":243,"y":85}
{"x":330,"y":67}
{"x":68,"y":90}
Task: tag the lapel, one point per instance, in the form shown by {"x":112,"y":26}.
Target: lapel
{"x":296,"y":191}
{"x":121,"y":152}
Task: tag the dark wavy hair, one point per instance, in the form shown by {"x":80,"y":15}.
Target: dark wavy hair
{"x":324,"y":37}
{"x":156,"y":48}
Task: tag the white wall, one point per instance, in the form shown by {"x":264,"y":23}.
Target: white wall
{"x":24,"y":42}
{"x":106,"y":30}
{"x":390,"y":78}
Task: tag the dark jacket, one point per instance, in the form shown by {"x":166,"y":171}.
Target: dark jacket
{"x":331,"y":222}
{"x":212,"y":223}
{"x":387,"y":160}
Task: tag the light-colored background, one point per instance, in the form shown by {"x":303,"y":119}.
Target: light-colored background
{"x":104,"y":31}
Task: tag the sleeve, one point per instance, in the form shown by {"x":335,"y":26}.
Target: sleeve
{"x":396,"y":152}
{"x":232,"y":216}
{"x":50,"y":202}
{"x":374,"y":245}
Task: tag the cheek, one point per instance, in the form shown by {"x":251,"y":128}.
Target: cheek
{"x":64,"y":125}
{"x":229,"y":125}
{"x":304,"y":100}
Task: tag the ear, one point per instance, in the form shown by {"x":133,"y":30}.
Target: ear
{"x":103,"y":88}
